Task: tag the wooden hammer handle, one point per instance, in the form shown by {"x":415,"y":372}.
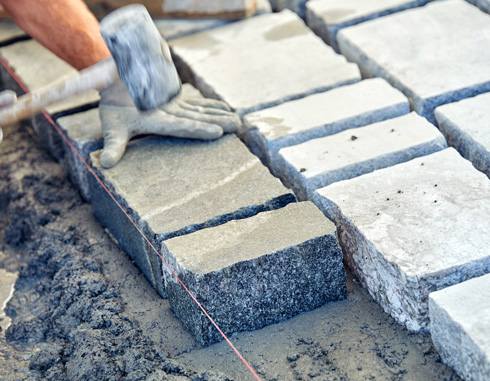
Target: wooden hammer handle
{"x":98,"y":76}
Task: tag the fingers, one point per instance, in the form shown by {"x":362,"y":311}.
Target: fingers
{"x":207,"y":102}
{"x":228,"y":121}
{"x":116,"y":135}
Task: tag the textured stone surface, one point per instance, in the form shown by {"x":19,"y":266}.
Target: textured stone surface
{"x":460,"y":327}
{"x":320,"y":115}
{"x":327,"y":17}
{"x":254,"y":272}
{"x":320,"y":162}
{"x":425,"y":52}
{"x":85,"y":134}
{"x":172,"y":187}
{"x":413,"y":228}
{"x":246,"y":63}
{"x":466,"y":126}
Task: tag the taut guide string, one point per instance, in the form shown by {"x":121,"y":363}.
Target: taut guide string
{"x":63,"y":136}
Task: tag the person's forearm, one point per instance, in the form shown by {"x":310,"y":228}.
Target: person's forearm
{"x":65,"y":27}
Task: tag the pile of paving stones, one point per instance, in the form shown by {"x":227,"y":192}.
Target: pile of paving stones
{"x":384,"y":126}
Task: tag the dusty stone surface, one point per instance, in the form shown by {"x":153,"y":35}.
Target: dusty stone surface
{"x":245,"y":63}
{"x":466,"y":126}
{"x":460,"y":327}
{"x":405,"y":55}
{"x":320,"y":162}
{"x":319,"y":115}
{"x":413,"y":228}
{"x":254,"y":272}
{"x":172,"y":187}
{"x":84,"y":131}
{"x":327,"y":17}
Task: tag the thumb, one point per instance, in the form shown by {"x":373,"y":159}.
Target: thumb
{"x":116,"y":137}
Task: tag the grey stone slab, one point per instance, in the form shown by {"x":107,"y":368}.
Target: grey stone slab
{"x":84,"y":132}
{"x":435,"y":54}
{"x":175,"y":28}
{"x":460,"y":327}
{"x":466,"y":126}
{"x":172,"y":187}
{"x":327,"y":17}
{"x":484,"y":5}
{"x":413,"y":228}
{"x":320,"y":162}
{"x":261,"y":62}
{"x":255,"y":272}
{"x":319,"y":115}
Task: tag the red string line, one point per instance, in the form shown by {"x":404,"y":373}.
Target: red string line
{"x":64,"y":137}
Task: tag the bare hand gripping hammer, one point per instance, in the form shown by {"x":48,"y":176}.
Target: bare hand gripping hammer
{"x":140,"y":56}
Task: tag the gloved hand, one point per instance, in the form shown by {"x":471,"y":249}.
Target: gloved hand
{"x":185,"y":116}
{"x":7,"y":97}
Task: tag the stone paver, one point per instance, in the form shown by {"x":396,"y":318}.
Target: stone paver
{"x":327,"y":17}
{"x":466,"y":126}
{"x":175,"y":28}
{"x":319,"y":115}
{"x":9,"y":31}
{"x":435,"y":54}
{"x":460,"y":327}
{"x":254,"y":272}
{"x":172,"y":187}
{"x":261,"y":62}
{"x":37,"y":67}
{"x":413,"y":228}
{"x":320,"y":162}
{"x":298,"y":6}
{"x":484,"y":5}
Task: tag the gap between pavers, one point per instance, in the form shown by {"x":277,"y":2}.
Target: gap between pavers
{"x":267,"y":131}
{"x":466,"y":126}
{"x":413,"y":228}
{"x":460,"y":327}
{"x":348,"y":154}
{"x":254,"y":272}
{"x":172,"y":187}
{"x":435,"y":54}
{"x":261,"y":62}
{"x":298,"y":6}
{"x":327,"y":17}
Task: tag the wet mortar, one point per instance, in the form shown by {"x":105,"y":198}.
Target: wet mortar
{"x":81,"y":310}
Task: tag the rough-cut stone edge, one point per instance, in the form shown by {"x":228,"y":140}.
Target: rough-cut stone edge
{"x":468,"y":147}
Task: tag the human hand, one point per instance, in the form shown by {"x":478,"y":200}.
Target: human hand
{"x":185,"y":116}
{"x":7,"y":97}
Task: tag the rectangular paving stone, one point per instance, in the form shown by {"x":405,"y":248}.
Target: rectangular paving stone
{"x":412,"y":229}
{"x":327,"y":17}
{"x":261,"y":62}
{"x":318,"y":115}
{"x":466,"y":126}
{"x":435,"y":54}
{"x":254,"y":272}
{"x":348,"y":154}
{"x":173,"y":187}
{"x":38,"y":67}
{"x":460,"y":327}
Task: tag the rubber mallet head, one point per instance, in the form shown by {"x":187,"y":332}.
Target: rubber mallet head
{"x":142,"y":57}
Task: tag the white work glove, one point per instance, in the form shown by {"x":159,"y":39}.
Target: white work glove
{"x":7,"y":97}
{"x":185,"y":116}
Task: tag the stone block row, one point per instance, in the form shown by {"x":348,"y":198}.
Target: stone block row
{"x":460,"y":326}
{"x":261,"y":62}
{"x":327,"y":17}
{"x":466,"y":126}
{"x":327,"y":113}
{"x":412,"y":229}
{"x":435,"y":54}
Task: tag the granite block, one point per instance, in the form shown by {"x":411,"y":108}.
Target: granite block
{"x":246,"y":63}
{"x":38,"y":67}
{"x":320,"y":162}
{"x":412,"y":229}
{"x":327,"y":17}
{"x":172,"y":187}
{"x":84,"y":132}
{"x":466,"y":126}
{"x":426,"y":52}
{"x":319,"y":115}
{"x":460,"y":327}
{"x":254,"y":272}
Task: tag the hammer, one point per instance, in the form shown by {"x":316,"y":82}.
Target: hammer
{"x":139,"y":55}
